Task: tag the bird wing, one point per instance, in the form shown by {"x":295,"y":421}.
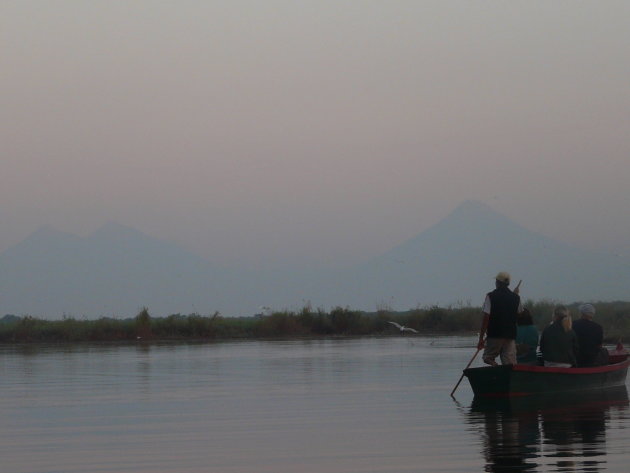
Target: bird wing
{"x":411,"y":329}
{"x":395,"y":324}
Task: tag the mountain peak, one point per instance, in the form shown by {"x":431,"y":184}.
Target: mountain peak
{"x":474,"y":216}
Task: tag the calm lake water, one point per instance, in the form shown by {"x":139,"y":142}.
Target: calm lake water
{"x":378,"y":405}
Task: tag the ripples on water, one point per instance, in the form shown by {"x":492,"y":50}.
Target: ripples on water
{"x":325,"y":406}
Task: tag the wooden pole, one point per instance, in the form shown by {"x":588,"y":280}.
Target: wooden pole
{"x":517,"y":289}
{"x":467,"y":366}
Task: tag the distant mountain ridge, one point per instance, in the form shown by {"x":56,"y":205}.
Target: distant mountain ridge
{"x":455,"y":260}
{"x":117,"y":270}
{"x":114,"y":271}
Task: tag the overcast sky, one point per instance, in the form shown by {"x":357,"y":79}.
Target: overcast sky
{"x":313,"y":132}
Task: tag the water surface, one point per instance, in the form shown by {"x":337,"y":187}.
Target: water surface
{"x":377,"y":405}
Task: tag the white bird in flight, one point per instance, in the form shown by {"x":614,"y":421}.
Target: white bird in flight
{"x":402,"y":328}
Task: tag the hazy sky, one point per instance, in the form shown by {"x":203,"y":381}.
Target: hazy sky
{"x":317,"y":131}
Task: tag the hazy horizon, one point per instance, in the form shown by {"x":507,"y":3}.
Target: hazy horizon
{"x":271,"y":133}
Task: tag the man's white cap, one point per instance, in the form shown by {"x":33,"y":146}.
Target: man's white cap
{"x":503,"y":277}
{"x":587,"y":309}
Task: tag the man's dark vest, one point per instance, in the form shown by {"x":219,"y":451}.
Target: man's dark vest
{"x":590,"y":337}
{"x":503,"y":312}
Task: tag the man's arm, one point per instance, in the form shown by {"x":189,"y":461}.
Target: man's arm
{"x":482,"y":331}
{"x":576,"y":350}
{"x":484,"y":321}
{"x":599,"y":336}
{"x":542,"y":343}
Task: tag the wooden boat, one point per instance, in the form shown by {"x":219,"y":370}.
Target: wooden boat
{"x":568,"y":404}
{"x":524,"y":380}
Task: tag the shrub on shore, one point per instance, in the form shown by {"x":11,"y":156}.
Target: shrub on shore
{"x":339,"y":321}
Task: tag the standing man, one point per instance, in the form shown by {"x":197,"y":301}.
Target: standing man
{"x":500,"y":310}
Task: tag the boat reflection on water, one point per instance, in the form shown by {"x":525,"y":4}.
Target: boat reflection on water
{"x":561,"y":432}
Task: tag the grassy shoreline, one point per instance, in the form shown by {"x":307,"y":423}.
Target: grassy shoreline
{"x":305,"y":323}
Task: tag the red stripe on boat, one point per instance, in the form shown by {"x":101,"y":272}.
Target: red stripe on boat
{"x":589,"y":370}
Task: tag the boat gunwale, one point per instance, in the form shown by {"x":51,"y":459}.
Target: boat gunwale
{"x":572,"y":370}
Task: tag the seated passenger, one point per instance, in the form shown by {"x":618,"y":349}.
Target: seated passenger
{"x":590,"y":337}
{"x":558,"y":342}
{"x":526,"y":339}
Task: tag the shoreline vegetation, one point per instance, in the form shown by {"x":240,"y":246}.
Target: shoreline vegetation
{"x":305,"y":323}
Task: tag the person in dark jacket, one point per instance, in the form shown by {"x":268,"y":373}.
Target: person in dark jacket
{"x":500,"y":310}
{"x":590,"y":337}
{"x":559,"y":343}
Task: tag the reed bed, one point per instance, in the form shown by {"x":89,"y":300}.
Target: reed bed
{"x":306,"y":322}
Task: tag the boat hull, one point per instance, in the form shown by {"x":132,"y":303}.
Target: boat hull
{"x":524,"y":380}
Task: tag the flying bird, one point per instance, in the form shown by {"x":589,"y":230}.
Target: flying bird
{"x":402,"y":328}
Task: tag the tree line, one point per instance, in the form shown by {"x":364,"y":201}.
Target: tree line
{"x":306,"y":322}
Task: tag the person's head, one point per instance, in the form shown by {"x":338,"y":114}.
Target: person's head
{"x":587,"y":311}
{"x":560,"y":312}
{"x":502,"y":279}
{"x":525,"y":318}
{"x":562,"y":315}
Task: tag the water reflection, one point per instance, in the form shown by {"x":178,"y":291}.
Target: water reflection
{"x":562,"y":432}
